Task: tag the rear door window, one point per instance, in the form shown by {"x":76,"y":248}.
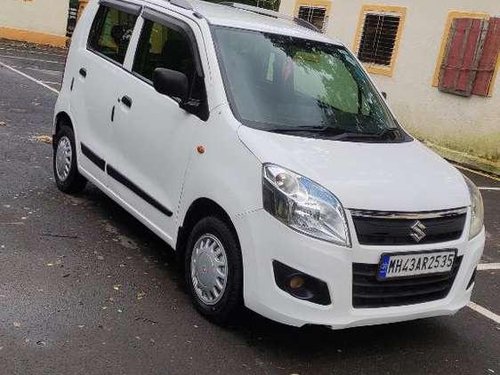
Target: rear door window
{"x":111,"y":32}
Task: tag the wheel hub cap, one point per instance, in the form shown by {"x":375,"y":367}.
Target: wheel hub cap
{"x":209,"y":269}
{"x":64,"y":157}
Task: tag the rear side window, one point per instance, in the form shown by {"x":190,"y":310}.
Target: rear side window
{"x":111,"y":32}
{"x":161,"y":46}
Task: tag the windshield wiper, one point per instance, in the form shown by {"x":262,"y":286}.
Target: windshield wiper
{"x":339,"y":134}
{"x":315,"y":130}
{"x":386,"y":134}
{"x":350,"y":135}
{"x":391,"y":134}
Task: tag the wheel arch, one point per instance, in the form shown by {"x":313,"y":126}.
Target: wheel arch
{"x":62,"y":118}
{"x":200,"y":208}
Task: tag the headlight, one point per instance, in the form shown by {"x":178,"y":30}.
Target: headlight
{"x":477,"y":209}
{"x":304,"y":205}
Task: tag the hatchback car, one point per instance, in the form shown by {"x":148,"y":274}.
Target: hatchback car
{"x":263,"y":153}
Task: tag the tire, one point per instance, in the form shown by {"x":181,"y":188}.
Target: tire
{"x":68,"y":179}
{"x":208,"y":231}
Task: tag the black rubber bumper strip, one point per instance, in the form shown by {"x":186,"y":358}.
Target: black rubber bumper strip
{"x":113,"y":173}
{"x":92,"y":156}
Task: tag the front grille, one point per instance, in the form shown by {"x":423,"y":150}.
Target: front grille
{"x":368,"y":292}
{"x":399,"y":228}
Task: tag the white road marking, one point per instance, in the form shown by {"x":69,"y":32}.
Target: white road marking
{"x":51,"y":83}
{"x":44,"y":71}
{"x":29,"y":77}
{"x":485,"y":312}
{"x":478,"y":173}
{"x":488,"y":266}
{"x":489,"y":188}
{"x":31,"y":59}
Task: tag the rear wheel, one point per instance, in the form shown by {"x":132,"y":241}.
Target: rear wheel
{"x":66,"y":174}
{"x":213,"y":270}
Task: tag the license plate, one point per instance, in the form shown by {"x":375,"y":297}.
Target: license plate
{"x":404,"y":265}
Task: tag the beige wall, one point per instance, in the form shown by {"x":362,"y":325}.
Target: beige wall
{"x":470,"y":125}
{"x":39,"y":16}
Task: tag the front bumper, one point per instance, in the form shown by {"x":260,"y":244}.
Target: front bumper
{"x":264,"y":240}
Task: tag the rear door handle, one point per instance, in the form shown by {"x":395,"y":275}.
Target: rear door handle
{"x":127,"y":101}
{"x":83,"y":72}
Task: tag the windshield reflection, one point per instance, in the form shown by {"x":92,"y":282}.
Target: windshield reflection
{"x":289,"y":85}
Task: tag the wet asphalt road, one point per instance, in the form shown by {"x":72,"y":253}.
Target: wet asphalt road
{"x":86,"y":289}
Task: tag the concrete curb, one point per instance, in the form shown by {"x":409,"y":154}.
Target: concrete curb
{"x":466,"y":160}
{"x":33,"y":37}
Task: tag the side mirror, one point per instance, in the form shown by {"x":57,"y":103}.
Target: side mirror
{"x":171,"y":83}
{"x":384,"y":94}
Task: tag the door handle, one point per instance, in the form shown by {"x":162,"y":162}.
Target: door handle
{"x":83,"y":72}
{"x":127,"y":101}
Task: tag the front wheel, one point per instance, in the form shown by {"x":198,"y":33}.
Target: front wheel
{"x":66,"y":174}
{"x":213,"y":270}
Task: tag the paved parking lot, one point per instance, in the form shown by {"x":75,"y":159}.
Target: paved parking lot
{"x":86,"y":289}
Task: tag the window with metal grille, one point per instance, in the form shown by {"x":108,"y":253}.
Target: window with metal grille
{"x":378,"y":38}
{"x":314,"y":15}
{"x":470,"y":58}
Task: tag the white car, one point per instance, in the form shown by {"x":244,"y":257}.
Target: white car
{"x":262,"y":152}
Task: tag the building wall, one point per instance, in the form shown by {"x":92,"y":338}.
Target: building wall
{"x":468,"y":125}
{"x":42,"y":21}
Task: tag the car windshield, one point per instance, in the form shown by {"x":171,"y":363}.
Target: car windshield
{"x":301,"y":87}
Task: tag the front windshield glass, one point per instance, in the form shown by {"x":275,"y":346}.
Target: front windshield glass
{"x":285,"y":84}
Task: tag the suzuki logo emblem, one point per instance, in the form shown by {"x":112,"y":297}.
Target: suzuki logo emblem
{"x":418,"y":231}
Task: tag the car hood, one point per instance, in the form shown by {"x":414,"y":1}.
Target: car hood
{"x":405,"y":177}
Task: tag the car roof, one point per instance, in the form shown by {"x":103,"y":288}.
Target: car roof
{"x":228,"y":16}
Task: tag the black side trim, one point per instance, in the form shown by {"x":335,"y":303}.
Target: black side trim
{"x":92,"y":156}
{"x":113,"y":173}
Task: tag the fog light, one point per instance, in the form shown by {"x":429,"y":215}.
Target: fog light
{"x":301,"y":285}
{"x":296,"y":282}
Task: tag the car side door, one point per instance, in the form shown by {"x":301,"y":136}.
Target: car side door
{"x":154,"y":134}
{"x":97,"y":70}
